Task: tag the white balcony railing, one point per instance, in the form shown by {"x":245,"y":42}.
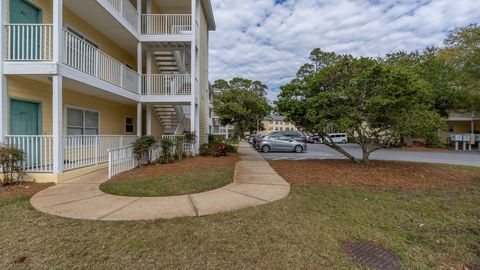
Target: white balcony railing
{"x":86,"y":58}
{"x":29,"y":42}
{"x":126,"y":10}
{"x":122,"y":159}
{"x":38,"y":151}
{"x":166,"y":24}
{"x":166,"y":84}
{"x":79,"y":151}
{"x":83,"y":151}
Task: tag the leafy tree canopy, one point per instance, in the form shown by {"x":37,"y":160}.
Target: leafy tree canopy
{"x":371,"y":101}
{"x":242,"y":103}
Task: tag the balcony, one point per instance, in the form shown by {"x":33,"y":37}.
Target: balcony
{"x":166,"y":85}
{"x":33,"y":43}
{"x":166,"y":24}
{"x":125,"y":9}
{"x":86,"y":58}
{"x":29,"y":42}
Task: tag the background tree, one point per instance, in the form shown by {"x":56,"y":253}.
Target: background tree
{"x":375,"y":103}
{"x":242,"y":103}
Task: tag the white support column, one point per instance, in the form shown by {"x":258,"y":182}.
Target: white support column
{"x":139,"y":66}
{"x":57,"y":31}
{"x":149,"y":70}
{"x":193,"y":71}
{"x":57,"y":111}
{"x":149,"y":119}
{"x":3,"y":78}
{"x":139,"y":16}
{"x":139,"y":119}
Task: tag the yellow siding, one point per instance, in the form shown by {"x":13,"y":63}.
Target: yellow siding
{"x":112,"y":114}
{"x":464,"y":127}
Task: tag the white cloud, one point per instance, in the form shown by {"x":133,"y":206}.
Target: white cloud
{"x":262,"y":40}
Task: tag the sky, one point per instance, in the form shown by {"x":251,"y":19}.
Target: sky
{"x":268,"y":40}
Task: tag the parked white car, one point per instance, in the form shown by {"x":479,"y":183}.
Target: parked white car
{"x":339,"y":137}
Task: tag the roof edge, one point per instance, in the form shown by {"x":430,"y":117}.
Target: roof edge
{"x":208,"y":9}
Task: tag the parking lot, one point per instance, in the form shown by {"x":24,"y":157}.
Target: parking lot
{"x":320,"y":151}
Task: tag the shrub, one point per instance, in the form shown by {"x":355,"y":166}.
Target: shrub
{"x":232,"y":149}
{"x":206,"y":149}
{"x":167,"y":145}
{"x":179,"y":146}
{"x":10,"y":159}
{"x":190,"y":137}
{"x":220,"y":149}
{"x":141,"y":149}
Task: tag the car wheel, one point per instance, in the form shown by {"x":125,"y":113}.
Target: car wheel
{"x":266,"y":149}
{"x":344,"y":142}
{"x":315,"y":141}
{"x":298,"y":149}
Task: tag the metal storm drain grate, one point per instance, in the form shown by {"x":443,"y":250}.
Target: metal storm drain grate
{"x":373,"y":256}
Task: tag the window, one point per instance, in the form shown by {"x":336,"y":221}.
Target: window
{"x":82,"y":37}
{"x":451,"y":128}
{"x":82,"y":122}
{"x":270,"y":128}
{"x":276,"y":128}
{"x":281,"y":128}
{"x":129,"y":126}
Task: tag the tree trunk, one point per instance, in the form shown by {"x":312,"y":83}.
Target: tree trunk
{"x":328,"y":142}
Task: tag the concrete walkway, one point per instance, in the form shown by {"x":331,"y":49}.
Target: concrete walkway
{"x":255,"y":183}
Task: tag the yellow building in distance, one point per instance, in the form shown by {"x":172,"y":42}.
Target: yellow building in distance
{"x":276,"y":123}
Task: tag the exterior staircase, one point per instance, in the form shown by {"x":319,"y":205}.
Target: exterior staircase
{"x":173,"y":118}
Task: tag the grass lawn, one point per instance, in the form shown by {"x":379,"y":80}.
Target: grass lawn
{"x":169,"y":185}
{"x":435,"y":227}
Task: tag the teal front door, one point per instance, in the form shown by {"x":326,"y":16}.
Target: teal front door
{"x":26,"y":41}
{"x":25,"y":120}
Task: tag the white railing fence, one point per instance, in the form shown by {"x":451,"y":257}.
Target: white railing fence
{"x":123,"y":159}
{"x":29,"y":42}
{"x":83,"y":56}
{"x":166,"y":84}
{"x":38,"y":151}
{"x":126,"y":10}
{"x":83,"y":151}
{"x":166,"y":24}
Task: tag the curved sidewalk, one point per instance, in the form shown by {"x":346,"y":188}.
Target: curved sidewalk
{"x":255,"y":183}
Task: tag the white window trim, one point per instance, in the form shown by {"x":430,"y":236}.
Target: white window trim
{"x":65,"y":118}
{"x":125,"y":125}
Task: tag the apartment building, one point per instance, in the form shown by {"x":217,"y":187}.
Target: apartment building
{"x":81,"y":77}
{"x":276,"y":123}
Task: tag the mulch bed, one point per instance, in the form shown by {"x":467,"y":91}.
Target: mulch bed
{"x":387,"y":174}
{"x":22,"y":189}
{"x":179,"y":166}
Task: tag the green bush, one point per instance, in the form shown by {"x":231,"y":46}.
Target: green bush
{"x":141,"y":149}
{"x":179,"y":149}
{"x":232,"y":149}
{"x":206,"y":150}
{"x":10,"y":160}
{"x":166,"y":145}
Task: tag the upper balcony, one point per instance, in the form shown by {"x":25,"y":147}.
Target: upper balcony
{"x":32,"y":44}
{"x":154,"y":26}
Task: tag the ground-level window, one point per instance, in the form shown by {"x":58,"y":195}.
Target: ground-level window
{"x":82,"y":122}
{"x":129,"y":126}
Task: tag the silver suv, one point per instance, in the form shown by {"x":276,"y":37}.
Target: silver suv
{"x":280,"y":143}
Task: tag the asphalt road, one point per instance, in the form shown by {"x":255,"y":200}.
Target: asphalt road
{"x":320,"y":151}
